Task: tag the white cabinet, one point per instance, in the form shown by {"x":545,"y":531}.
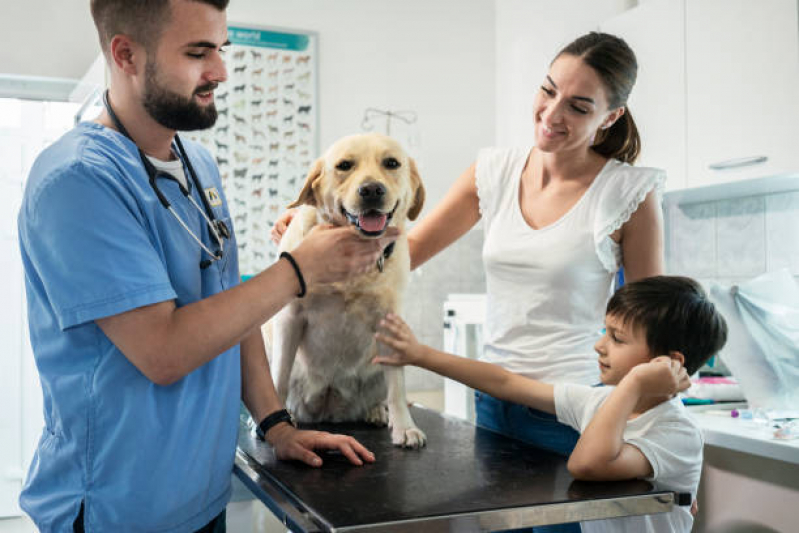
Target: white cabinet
{"x":656,"y":32}
{"x":718,"y":87}
{"x":742,"y":69}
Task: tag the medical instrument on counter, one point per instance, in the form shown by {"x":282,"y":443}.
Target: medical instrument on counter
{"x":217,"y":227}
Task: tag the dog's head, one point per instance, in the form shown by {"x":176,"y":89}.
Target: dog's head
{"x":364,"y":180}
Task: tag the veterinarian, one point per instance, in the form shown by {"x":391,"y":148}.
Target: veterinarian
{"x":144,"y":338}
{"x":560,"y":218}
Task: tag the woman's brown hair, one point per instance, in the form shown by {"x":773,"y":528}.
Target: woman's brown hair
{"x":614,"y":61}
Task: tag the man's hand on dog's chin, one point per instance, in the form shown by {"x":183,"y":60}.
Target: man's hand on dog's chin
{"x":298,"y":444}
{"x":333,"y":253}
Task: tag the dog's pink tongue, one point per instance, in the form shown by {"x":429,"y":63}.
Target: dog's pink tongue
{"x":372,"y":222}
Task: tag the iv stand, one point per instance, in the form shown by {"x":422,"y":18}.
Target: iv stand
{"x":408,"y":117}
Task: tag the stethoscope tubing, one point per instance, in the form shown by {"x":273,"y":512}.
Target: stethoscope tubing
{"x":206,"y":211}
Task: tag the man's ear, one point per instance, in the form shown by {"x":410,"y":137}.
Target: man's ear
{"x":418,"y":188}
{"x":123,"y":51}
{"x":307,"y":195}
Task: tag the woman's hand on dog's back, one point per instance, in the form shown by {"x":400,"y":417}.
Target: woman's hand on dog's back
{"x":281,"y":225}
{"x":333,"y":253}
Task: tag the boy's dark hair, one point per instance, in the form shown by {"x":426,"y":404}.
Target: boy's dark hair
{"x":142,"y":20}
{"x":676,"y":315}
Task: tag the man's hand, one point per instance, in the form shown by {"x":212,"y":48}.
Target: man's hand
{"x":396,"y":334}
{"x":662,"y":376}
{"x":330,"y":253}
{"x":297,"y":444}
{"x":282,"y":225}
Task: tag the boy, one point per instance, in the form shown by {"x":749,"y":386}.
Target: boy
{"x":658,"y":331}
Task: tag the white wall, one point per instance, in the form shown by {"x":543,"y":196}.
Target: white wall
{"x":435,"y":58}
{"x":528,"y":35}
{"x":48,"y":38}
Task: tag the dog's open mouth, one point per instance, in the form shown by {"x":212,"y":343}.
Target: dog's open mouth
{"x":371,"y":222}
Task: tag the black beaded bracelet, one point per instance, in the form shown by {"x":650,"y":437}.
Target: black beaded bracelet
{"x":297,"y":271}
{"x":271,"y":421}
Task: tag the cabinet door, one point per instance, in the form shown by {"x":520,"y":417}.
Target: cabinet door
{"x":742,"y":67}
{"x":655,"y":32}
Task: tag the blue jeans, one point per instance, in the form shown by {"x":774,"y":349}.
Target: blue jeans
{"x":540,"y":429}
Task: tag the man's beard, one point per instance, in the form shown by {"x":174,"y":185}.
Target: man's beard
{"x":172,"y":110}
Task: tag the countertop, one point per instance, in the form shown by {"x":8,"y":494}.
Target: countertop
{"x":720,"y":429}
{"x":465,"y":479}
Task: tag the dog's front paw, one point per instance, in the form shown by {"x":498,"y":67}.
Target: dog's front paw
{"x":378,"y":415}
{"x":408,"y":437}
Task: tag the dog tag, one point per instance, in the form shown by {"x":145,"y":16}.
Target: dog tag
{"x":380,"y":261}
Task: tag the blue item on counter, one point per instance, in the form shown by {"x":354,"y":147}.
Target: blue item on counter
{"x":698,"y":401}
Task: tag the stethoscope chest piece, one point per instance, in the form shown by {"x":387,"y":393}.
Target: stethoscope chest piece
{"x":222,"y":229}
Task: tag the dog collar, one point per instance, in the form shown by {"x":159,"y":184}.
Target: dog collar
{"x":387,"y":251}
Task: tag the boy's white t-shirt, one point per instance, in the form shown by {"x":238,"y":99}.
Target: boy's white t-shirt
{"x":667,"y":436}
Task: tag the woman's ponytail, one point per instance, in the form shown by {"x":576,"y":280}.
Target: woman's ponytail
{"x":614,"y":61}
{"x":620,"y":141}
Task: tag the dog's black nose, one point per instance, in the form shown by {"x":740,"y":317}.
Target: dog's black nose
{"x":372,"y":191}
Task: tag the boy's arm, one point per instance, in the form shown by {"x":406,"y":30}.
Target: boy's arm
{"x":486,"y":377}
{"x":601,"y":453}
{"x":489,"y":378}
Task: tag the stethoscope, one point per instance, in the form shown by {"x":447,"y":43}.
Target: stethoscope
{"x":217,"y":227}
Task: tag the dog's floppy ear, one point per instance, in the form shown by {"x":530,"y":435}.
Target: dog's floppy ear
{"x":307,"y":193}
{"x":418,"y":188}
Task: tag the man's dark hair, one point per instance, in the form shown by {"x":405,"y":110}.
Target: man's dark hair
{"x":676,"y":315}
{"x":142,"y":20}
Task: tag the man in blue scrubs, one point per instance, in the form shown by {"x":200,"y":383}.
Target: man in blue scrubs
{"x":144,"y":339}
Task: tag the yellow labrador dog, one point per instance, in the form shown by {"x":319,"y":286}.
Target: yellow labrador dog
{"x":323,"y":344}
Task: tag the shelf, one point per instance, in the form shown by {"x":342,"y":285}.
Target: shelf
{"x":737,"y":189}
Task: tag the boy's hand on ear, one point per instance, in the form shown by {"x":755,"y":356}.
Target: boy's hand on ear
{"x":662,"y":376}
{"x":397,"y":335}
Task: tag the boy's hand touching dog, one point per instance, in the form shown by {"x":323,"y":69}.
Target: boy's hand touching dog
{"x":397,"y":335}
{"x":662,"y":376}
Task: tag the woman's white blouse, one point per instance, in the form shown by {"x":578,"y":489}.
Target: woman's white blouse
{"x":547,"y":288}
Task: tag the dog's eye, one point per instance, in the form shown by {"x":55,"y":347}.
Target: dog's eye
{"x":391,"y":163}
{"x":344,"y":166}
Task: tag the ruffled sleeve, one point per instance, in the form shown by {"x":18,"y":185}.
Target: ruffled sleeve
{"x":623,"y":190}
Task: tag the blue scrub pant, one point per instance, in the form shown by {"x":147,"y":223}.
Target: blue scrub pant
{"x":540,"y":429}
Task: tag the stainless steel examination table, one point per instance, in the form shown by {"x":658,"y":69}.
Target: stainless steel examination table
{"x":465,"y":479}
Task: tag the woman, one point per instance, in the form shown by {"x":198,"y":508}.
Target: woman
{"x":560,"y":219}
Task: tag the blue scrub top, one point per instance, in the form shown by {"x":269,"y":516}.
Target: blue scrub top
{"x":96,"y":242}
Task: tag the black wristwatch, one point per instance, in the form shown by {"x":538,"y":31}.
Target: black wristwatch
{"x":272,"y":420}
